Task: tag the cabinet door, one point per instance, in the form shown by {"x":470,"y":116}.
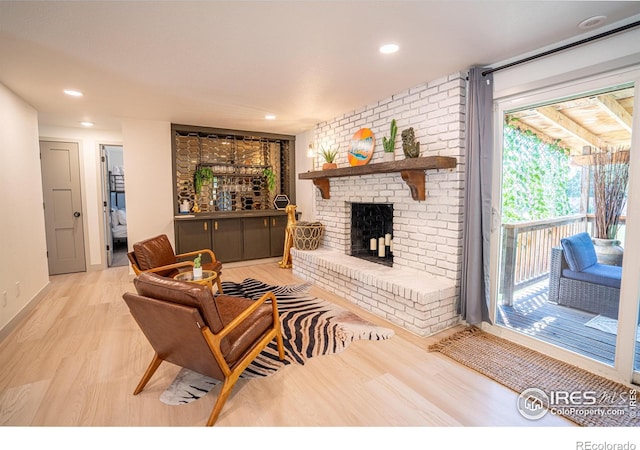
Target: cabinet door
{"x":227,"y":239}
{"x":256,"y":238}
{"x":192,"y":235}
{"x":278,"y":228}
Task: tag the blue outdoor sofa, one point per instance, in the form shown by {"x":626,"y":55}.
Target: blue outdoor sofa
{"x":578,"y":280}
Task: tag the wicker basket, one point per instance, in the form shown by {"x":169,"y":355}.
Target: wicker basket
{"x":306,"y":235}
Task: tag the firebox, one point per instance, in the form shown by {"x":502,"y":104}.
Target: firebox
{"x":372,"y":232}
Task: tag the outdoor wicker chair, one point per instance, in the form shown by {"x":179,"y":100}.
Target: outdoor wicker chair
{"x":587,"y":296}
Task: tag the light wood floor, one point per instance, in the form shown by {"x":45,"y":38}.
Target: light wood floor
{"x":76,"y":358}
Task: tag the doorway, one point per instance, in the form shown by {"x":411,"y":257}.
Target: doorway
{"x":552,"y":142}
{"x":62,"y":197}
{"x":114,"y":205}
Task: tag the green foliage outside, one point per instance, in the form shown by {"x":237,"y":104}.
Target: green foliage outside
{"x":537,"y":181}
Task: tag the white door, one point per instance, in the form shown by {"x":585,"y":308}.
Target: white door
{"x":625,"y":359}
{"x":106,"y":204}
{"x":62,"y":207}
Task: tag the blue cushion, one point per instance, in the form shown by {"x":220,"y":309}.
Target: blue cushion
{"x":602,"y":274}
{"x":579,"y":251}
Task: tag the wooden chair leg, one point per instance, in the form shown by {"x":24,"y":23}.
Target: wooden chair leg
{"x":280,"y":345}
{"x":219,"y":283}
{"x":222,"y":398}
{"x":153,"y":366}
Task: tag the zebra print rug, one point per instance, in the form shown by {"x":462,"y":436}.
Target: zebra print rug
{"x":310,"y":327}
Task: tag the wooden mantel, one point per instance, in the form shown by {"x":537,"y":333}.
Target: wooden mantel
{"x":411,"y":170}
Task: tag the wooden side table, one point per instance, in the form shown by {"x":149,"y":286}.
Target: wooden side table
{"x":208,"y":277}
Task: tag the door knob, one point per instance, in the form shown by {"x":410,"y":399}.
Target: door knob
{"x":76,"y":214}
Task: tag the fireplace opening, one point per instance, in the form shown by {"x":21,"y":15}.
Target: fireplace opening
{"x":372,"y":232}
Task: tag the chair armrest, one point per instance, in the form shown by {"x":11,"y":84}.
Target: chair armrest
{"x":195,"y":253}
{"x":247,"y":312}
{"x":214,"y":339}
{"x":170,"y":266}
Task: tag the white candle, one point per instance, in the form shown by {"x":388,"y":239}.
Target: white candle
{"x":387,"y":239}
{"x":372,"y":244}
{"x":381,"y":249}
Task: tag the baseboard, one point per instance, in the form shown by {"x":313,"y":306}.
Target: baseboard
{"x":22,"y":314}
{"x":252,"y":262}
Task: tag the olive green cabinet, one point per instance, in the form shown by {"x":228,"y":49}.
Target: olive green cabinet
{"x":277,"y":229}
{"x":233,"y":239}
{"x":227,"y":239}
{"x":256,"y":238}
{"x":193,"y":235}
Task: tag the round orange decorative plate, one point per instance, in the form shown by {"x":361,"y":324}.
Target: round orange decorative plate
{"x":361,"y":147}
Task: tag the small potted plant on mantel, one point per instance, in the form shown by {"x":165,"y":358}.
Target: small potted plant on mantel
{"x":197,"y":267}
{"x":329,"y":156}
{"x":389,"y":144}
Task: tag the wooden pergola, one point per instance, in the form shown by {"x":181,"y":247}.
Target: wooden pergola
{"x":582,"y":124}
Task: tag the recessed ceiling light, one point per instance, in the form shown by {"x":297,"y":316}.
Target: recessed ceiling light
{"x":592,"y":22}
{"x":86,"y":124}
{"x":73,"y":93}
{"x":389,"y":48}
{"x":270,"y":117}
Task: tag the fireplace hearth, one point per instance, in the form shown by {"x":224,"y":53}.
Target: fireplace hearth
{"x":372,"y":232}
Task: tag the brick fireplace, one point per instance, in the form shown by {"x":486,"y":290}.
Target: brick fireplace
{"x":421,"y":289}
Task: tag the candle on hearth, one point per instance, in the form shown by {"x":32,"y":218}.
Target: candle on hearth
{"x":381,"y":248}
{"x":373,"y":244}
{"x":387,"y":239}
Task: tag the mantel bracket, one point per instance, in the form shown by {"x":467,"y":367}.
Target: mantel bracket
{"x":415,"y":180}
{"x":323,"y":186}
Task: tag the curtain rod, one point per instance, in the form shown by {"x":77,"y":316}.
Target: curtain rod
{"x":564,"y":47}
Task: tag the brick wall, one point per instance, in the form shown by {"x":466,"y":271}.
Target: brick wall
{"x":427,"y":235}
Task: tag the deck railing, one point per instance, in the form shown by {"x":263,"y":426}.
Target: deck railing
{"x":526,"y":248}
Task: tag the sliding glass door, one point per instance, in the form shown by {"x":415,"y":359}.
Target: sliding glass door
{"x":565,"y":275}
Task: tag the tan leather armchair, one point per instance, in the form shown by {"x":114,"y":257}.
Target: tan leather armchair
{"x":218,"y":337}
{"x":157,"y":255}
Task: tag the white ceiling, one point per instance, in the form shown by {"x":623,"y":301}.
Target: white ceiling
{"x":228,"y":63}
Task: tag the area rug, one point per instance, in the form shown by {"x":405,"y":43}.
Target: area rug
{"x":563,"y":389}
{"x":310,"y":327}
{"x":608,"y":325}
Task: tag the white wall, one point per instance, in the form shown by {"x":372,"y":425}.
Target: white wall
{"x":305,"y":190}
{"x":149,"y":192}
{"x":22,"y":232}
{"x":91,"y":178}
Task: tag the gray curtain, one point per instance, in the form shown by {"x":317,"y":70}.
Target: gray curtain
{"x":474,"y":286}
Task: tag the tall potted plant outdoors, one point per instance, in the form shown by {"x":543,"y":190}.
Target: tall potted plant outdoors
{"x":610,"y":169}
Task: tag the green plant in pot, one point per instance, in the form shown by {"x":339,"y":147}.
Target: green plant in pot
{"x":200,"y":176}
{"x":610,"y":169}
{"x":329,"y":155}
{"x":389,"y":144}
{"x":197,"y":267}
{"x":270,"y":178}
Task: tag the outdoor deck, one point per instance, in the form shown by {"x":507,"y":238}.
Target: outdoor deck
{"x":532,"y":314}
